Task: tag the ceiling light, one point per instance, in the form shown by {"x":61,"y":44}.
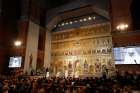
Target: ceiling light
{"x":62,"y":24}
{"x":85,"y":19}
{"x":94,"y":17}
{"x":75,"y":21}
{"x":81,"y":20}
{"x":122,"y":27}
{"x":17,"y":43}
{"x":89,"y":18}
{"x":54,"y":25}
{"x":71,"y":22}
{"x":66,"y":23}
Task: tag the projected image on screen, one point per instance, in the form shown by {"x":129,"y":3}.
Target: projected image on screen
{"x":124,"y":55}
{"x":15,"y":62}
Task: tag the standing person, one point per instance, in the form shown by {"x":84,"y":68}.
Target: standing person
{"x":32,"y":72}
{"x":47,"y":70}
{"x":41,"y":89}
{"x":1,"y":85}
{"x":5,"y":87}
{"x":132,"y":56}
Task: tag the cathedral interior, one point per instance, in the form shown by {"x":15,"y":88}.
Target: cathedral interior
{"x":69,"y":46}
{"x":69,"y":37}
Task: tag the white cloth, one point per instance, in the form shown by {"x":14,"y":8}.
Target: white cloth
{"x":131,"y":56}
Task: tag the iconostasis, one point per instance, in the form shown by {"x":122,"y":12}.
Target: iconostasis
{"x":82,"y":52}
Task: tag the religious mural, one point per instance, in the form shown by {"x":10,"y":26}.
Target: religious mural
{"x":83,"y":51}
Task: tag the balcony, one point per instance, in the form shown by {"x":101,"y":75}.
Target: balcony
{"x":126,"y":38}
{"x":135,"y":32}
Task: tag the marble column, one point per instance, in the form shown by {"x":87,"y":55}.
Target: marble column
{"x":47,"y":56}
{"x":31,"y":47}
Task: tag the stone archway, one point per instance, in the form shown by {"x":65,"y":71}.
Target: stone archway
{"x":58,"y":14}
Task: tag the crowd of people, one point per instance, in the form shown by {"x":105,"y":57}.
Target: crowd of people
{"x":126,"y":83}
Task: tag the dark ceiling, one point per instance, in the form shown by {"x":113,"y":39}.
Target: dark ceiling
{"x":11,"y":9}
{"x":55,"y":3}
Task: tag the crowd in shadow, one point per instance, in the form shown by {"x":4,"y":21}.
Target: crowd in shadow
{"x":119,"y":83}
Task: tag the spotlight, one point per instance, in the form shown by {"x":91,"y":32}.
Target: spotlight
{"x":85,"y":19}
{"x":54,"y":25}
{"x":62,"y":24}
{"x":75,"y":21}
{"x":126,"y":25}
{"x":66,"y":23}
{"x":94,"y":17}
{"x":122,"y":27}
{"x":89,"y":18}
{"x":17,"y":43}
{"x":71,"y":22}
{"x":81,"y":20}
